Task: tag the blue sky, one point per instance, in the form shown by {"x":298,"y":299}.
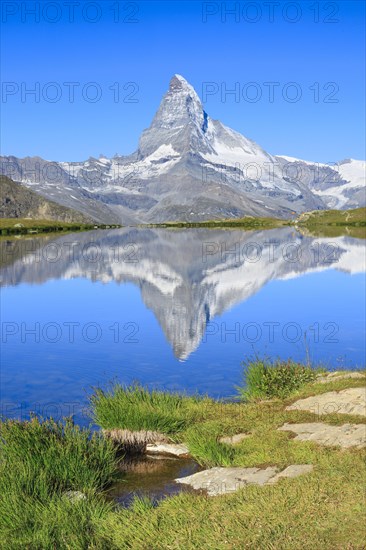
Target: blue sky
{"x":316,"y":45}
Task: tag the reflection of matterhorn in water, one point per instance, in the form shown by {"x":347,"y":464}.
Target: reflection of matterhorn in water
{"x":186,"y":277}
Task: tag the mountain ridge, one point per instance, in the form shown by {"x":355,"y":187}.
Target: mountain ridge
{"x":190,"y":167}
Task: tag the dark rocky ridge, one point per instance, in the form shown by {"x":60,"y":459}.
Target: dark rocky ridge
{"x":16,"y":201}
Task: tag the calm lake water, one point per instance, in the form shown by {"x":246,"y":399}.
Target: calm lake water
{"x":174,"y":309}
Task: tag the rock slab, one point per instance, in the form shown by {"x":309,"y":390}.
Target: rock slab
{"x":349,"y":401}
{"x":220,"y":481}
{"x":172,"y":449}
{"x":292,"y":471}
{"x":348,"y":435}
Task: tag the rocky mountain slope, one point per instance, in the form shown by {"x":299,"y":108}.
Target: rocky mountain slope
{"x":341,"y":186}
{"x":16,"y":201}
{"x":190,"y":167}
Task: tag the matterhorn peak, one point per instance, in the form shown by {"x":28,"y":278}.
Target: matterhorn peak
{"x":179,"y":121}
{"x":190,"y":166}
{"x":179,"y":83}
{"x":180,"y":86}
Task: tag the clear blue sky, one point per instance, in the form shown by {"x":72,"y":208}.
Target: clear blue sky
{"x":183,"y":37}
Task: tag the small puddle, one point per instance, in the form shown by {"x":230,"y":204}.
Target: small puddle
{"x":152,"y":476}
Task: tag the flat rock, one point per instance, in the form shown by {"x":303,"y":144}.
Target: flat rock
{"x":233,"y":439}
{"x":338,"y":375}
{"x":348,"y":435}
{"x":220,"y":481}
{"x":349,"y":401}
{"x":173,"y":449}
{"x":294,"y":470}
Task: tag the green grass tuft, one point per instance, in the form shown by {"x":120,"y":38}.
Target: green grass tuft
{"x":59,"y":456}
{"x":141,"y":504}
{"x":136,"y":408}
{"x":204,"y":445}
{"x":39,"y":463}
{"x":264,"y":380}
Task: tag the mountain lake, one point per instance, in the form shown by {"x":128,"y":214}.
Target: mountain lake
{"x":178,"y":310}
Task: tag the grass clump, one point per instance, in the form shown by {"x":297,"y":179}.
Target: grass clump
{"x":67,"y":456}
{"x":204,"y":445}
{"x":40,"y":462}
{"x":129,"y":413}
{"x":141,"y":504}
{"x":265,"y":380}
{"x":136,"y":408}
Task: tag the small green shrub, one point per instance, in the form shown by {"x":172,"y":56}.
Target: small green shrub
{"x":264,"y":380}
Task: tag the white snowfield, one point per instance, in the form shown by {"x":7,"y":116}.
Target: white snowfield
{"x":351,"y":175}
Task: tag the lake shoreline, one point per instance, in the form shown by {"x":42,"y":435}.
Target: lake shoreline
{"x":272,"y":471}
{"x":316,"y":221}
{"x":25,"y":226}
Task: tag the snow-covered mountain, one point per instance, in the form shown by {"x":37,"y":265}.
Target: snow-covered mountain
{"x":191,"y":167}
{"x":341,"y":186}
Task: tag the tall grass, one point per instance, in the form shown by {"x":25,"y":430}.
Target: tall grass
{"x":39,"y":463}
{"x":204,"y":445}
{"x":64,"y":455}
{"x":136,"y":408}
{"x":266,"y":380}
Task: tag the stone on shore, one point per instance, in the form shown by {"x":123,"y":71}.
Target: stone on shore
{"x":134,"y":442}
{"x":221,"y":481}
{"x":349,"y":401}
{"x":292,"y":471}
{"x":75,"y":496}
{"x":348,"y":435}
{"x":172,"y":449}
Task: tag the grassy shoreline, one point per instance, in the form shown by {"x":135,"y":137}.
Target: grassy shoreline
{"x":333,"y":223}
{"x":53,"y":476}
{"x":319,"y":223}
{"x":249,"y":222}
{"x":20,"y":226}
{"x":327,"y":223}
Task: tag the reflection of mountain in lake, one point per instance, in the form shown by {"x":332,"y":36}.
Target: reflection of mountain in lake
{"x":186,"y":277}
